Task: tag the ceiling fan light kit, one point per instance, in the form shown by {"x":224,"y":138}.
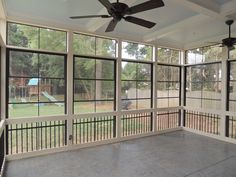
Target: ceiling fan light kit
{"x":119,"y":11}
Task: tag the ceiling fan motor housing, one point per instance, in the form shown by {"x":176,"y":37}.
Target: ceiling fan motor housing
{"x":120,"y":9}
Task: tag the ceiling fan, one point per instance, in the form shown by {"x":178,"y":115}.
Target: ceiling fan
{"x":228,"y":42}
{"x":118,"y":11}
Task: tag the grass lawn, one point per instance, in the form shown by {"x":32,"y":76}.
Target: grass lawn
{"x":29,"y":110}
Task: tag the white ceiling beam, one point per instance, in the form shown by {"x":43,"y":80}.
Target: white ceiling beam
{"x":94,"y":24}
{"x":170,"y":43}
{"x":197,"y":19}
{"x":228,"y":8}
{"x":206,"y":7}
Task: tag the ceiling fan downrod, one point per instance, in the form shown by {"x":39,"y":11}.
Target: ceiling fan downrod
{"x":229,"y":23}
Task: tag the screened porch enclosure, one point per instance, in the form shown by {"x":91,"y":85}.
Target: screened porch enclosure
{"x":66,"y":90}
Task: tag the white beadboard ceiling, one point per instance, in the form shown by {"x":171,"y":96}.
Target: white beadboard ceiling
{"x":181,"y":24}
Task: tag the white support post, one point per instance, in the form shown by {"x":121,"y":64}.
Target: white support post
{"x":223,"y":95}
{"x":182,"y":62}
{"x":118,"y":89}
{"x":224,"y":90}
{"x":155,"y":89}
{"x":3,"y":82}
{"x":70,"y":88}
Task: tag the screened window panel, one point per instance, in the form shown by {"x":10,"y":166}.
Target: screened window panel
{"x":212,"y":53}
{"x":211,"y":90}
{"x":194,"y":102}
{"x":136,"y":85}
{"x":53,"y":40}
{"x":51,"y":66}
{"x":143,"y":104}
{"x":83,"y":44}
{"x":211,"y":104}
{"x":94,"y":46}
{"x":144,"y":89}
{"x":50,"y":109}
{"x":22,"y":36}
{"x":162,"y":89}
{"x":104,"y":106}
{"x":168,"y":85}
{"x":173,"y":102}
{"x":144,"y":72}
{"x":129,"y":71}
{"x":105,"y":90}
{"x":232,"y":86}
{"x":18,"y":92}
{"x":136,"y":51}
{"x":232,"y":106}
{"x":18,"y":110}
{"x":163,"y":103}
{"x":203,"y":86}
{"x":233,"y":71}
{"x":84,"y":90}
{"x":34,"y":37}
{"x":104,"y":69}
{"x":170,"y":56}
{"x":84,"y":107}
{"x":194,"y":56}
{"x":232,"y":54}
{"x":35,"y":81}
{"x":194,"y":90}
{"x":105,"y":47}
{"x":204,"y":54}
{"x":94,"y":85}
{"x":23,"y":64}
{"x":168,"y":73}
{"x":129,"y":88}
{"x":51,"y":90}
{"x":84,"y":68}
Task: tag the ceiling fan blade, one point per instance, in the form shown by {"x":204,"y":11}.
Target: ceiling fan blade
{"x":111,"y":25}
{"x":107,"y":4}
{"x":90,"y":16}
{"x":234,"y":40}
{"x":231,"y":48}
{"x":139,"y":21}
{"x":151,"y":4}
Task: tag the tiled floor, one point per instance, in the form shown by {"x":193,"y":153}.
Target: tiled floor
{"x":177,"y":154}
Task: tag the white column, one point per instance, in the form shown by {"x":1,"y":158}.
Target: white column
{"x":69,"y":87}
{"x":118,"y":90}
{"x":3,"y":83}
{"x":223,"y":98}
{"x":182,"y":79}
{"x":223,"y":91}
{"x":155,"y":89}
